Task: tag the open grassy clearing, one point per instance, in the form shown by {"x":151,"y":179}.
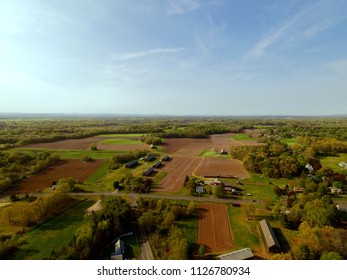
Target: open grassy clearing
{"x":242,"y":137}
{"x":290,"y":141}
{"x":131,"y":135}
{"x":100,"y":173}
{"x":53,"y":233}
{"x":215,"y":154}
{"x":69,"y":154}
{"x":121,"y":141}
{"x":332,"y":163}
{"x":244,"y":232}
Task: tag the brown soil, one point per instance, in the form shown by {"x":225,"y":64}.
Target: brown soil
{"x":218,"y":167}
{"x":178,"y":168}
{"x":214,"y":228}
{"x":64,"y":169}
{"x":174,"y":145}
{"x":70,"y":144}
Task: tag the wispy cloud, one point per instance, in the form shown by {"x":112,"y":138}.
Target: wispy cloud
{"x":146,"y":53}
{"x":303,"y":25}
{"x":185,"y":6}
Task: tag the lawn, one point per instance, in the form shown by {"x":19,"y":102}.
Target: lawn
{"x":332,"y":163}
{"x":131,"y":135}
{"x":290,"y":141}
{"x":120,"y":142}
{"x":243,"y":231}
{"x":53,"y":233}
{"x":242,"y":137}
{"x":69,"y":154}
{"x":100,"y":173}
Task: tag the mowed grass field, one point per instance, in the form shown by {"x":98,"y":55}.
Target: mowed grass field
{"x":121,"y":141}
{"x":242,"y":137}
{"x":332,"y":163}
{"x":69,"y":154}
{"x":53,"y":233}
{"x":130,"y":135}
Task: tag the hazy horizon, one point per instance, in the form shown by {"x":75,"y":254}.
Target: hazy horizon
{"x":174,"y":57}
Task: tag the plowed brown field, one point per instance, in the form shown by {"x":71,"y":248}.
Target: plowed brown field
{"x":64,"y":169}
{"x":70,"y":144}
{"x":214,"y":228}
{"x":218,"y":167}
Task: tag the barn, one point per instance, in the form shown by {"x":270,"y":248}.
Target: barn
{"x":243,"y":254}
{"x":148,"y":172}
{"x":165,"y":158}
{"x":132,"y":164}
{"x":150,"y":157}
{"x":158,"y":164}
{"x":269,"y":237}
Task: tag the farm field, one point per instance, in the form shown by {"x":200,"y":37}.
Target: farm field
{"x":217,"y":167}
{"x":214,"y":228}
{"x":178,"y":168}
{"x":66,"y":168}
{"x":332,"y":162}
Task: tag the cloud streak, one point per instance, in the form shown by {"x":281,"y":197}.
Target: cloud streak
{"x":304,"y":25}
{"x":141,"y":54}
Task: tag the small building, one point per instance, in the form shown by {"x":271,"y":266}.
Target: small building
{"x":298,"y":189}
{"x":132,"y":164}
{"x":335,"y":190}
{"x":243,"y":254}
{"x":150,"y":157}
{"x":223,"y":152}
{"x":119,"y":250}
{"x":343,"y":164}
{"x":269,"y":237}
{"x":200,"y":189}
{"x":309,"y":167}
{"x":165,"y":158}
{"x":148,"y":172}
{"x":158,"y":164}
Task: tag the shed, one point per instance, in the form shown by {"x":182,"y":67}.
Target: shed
{"x":150,"y":157}
{"x":132,"y":164}
{"x":270,"y":239}
{"x":148,"y":172}
{"x":243,"y":254}
{"x":165,"y":158}
{"x":158,"y":164}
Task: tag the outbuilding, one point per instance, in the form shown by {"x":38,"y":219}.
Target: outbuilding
{"x":269,"y":237}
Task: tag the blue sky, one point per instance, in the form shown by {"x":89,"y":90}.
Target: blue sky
{"x":180,"y":57}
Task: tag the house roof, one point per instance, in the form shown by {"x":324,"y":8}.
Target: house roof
{"x":242,"y":254}
{"x":269,"y":235}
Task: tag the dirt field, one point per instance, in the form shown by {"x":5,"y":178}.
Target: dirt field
{"x":174,"y":145}
{"x":218,"y":167}
{"x":214,"y":228}
{"x":85,"y":143}
{"x":66,"y":168}
{"x":178,"y":168}
{"x":70,"y":144}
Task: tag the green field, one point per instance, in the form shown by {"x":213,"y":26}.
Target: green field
{"x":332,"y":163}
{"x":242,"y":137}
{"x":120,"y":142}
{"x":100,"y":173}
{"x":69,"y":154}
{"x":243,"y":231}
{"x":290,"y":141}
{"x":132,"y":135}
{"x":53,"y":233}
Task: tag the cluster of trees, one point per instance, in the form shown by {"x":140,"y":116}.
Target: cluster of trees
{"x":274,"y":160}
{"x":15,"y":166}
{"x":119,"y":159}
{"x":41,"y":209}
{"x":93,"y":237}
{"x":134,"y":184}
{"x":158,"y":218}
{"x":151,"y":140}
